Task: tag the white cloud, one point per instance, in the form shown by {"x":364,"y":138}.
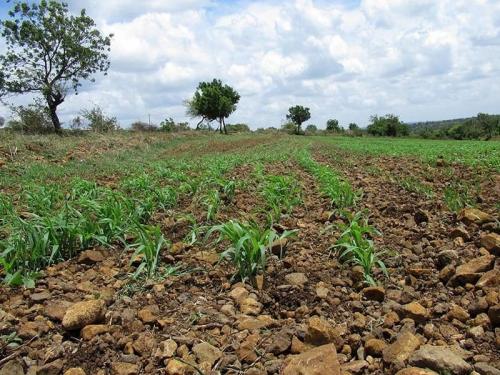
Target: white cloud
{"x":422,"y":59}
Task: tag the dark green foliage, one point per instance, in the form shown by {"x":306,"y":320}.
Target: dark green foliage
{"x":483,"y":126}
{"x":237,"y":128}
{"x":387,"y":126}
{"x":333,"y":126}
{"x":49,"y":50}
{"x":31,"y":119}
{"x":169,"y":125}
{"x":298,"y":114}
{"x":311,"y":129}
{"x":213,"y":101}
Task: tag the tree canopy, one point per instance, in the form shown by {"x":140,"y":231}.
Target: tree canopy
{"x":388,"y":125}
{"x":213,"y":101}
{"x":333,"y":126}
{"x":50,"y":51}
{"x":298,"y":114}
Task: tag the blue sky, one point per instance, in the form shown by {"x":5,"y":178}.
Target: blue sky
{"x":420,"y":59}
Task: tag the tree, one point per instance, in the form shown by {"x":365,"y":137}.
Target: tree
{"x":333,"y":126}
{"x":353,"y":127}
{"x":50,"y":51}
{"x":98,"y":121}
{"x":213,"y":101}
{"x":388,"y":125}
{"x":298,"y":114}
{"x":311,"y":128}
{"x":489,"y":124}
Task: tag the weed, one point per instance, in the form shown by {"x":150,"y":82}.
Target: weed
{"x":149,"y":242}
{"x":249,"y":245}
{"x":414,"y":185}
{"x":358,"y":248}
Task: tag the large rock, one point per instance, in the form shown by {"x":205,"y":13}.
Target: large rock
{"x":207,"y":353}
{"x":489,"y":279}
{"x":84,"y":313}
{"x":415,"y":311}
{"x":297,"y":279}
{"x":474,"y":216}
{"x":90,"y":257}
{"x":13,"y":367}
{"x":250,"y":306}
{"x":280,"y":342}
{"x":494,"y":315}
{"x":92,"y":330}
{"x":319,"y":331}
{"x":486,"y":369}
{"x":123,"y":368}
{"x":470,"y":272}
{"x":75,"y":371}
{"x":491,"y":242}
{"x":374,"y":293}
{"x":440,"y":359}
{"x":400,"y":350}
{"x":318,"y":361}
{"x":416,"y":371}
{"x":251,"y":323}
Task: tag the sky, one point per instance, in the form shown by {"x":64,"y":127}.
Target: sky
{"x":344,"y":59}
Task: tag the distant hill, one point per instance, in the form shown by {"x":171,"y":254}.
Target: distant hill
{"x":416,"y":127}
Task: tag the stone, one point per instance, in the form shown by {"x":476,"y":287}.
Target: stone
{"x":124,"y":368}
{"x":439,"y":359}
{"x":474,"y":216}
{"x":460,"y":232}
{"x":297,"y":346}
{"x":355,"y":367}
{"x":52,"y":368}
{"x":144,"y":344}
{"x":280,"y":342}
{"x":206,"y":352}
{"x":400,"y":350}
{"x":90,"y":257}
{"x":476,"y":332}
{"x":176,"y":367}
{"x":238,"y":294}
{"x":489,"y":279}
{"x":75,"y":371}
{"x":83,"y":313}
{"x":250,"y":306}
{"x":28,"y":330}
{"x":247,"y":352}
{"x":470,"y":272}
{"x":421,"y":216}
{"x":319,"y":331}
{"x":494,"y":315}
{"x":445,"y":258}
{"x":210,"y":257}
{"x":251,"y":323}
{"x":416,"y":371}
{"x":486,"y":369}
{"x":278,"y":247}
{"x":149,"y":314}
{"x":13,"y":367}
{"x":457,"y":312}
{"x":166,"y":349}
{"x":92,"y":330}
{"x":357,"y":274}
{"x":375,"y":347}
{"x":40,"y":297}
{"x":318,"y":361}
{"x":415,"y":311}
{"x":259,"y":282}
{"x":491,"y":242}
{"x":321,"y":290}
{"x":55,"y":310}
{"x":297,"y":279}
{"x":374,"y":293}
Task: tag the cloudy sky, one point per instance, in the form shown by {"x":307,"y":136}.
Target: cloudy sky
{"x":345,"y":59}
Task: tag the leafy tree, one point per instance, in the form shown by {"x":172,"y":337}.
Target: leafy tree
{"x":489,"y":124}
{"x":238,"y":128}
{"x":333,"y":126}
{"x":32,"y":119}
{"x":50,"y":51}
{"x":213,"y":101}
{"x":388,"y":125}
{"x":289,"y":127}
{"x":169,"y":125}
{"x":311,"y":128}
{"x":353,"y":127}
{"x":298,"y":114}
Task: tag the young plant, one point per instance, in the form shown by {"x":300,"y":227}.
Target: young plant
{"x":457,"y":196}
{"x":212,"y":202}
{"x":357,"y":248}
{"x":249,"y":246}
{"x":148,"y":245}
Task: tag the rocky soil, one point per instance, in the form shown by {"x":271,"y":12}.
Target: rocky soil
{"x":437,"y":313}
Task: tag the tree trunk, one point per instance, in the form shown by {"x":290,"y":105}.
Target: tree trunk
{"x":224,"y":123}
{"x":220,"y":125}
{"x":55,"y":119}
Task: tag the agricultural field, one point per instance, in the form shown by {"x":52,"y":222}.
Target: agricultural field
{"x":154,"y":253}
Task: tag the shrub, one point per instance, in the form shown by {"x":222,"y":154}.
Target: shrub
{"x":140,"y":126}
{"x":98,"y":121}
{"x":388,"y":125}
{"x":31,"y":119}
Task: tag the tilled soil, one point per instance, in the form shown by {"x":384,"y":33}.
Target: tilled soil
{"x":438,"y":309}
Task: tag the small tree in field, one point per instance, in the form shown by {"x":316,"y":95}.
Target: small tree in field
{"x":298,"y":114}
{"x":50,"y":51}
{"x":213,"y":101}
{"x":333,"y":126}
